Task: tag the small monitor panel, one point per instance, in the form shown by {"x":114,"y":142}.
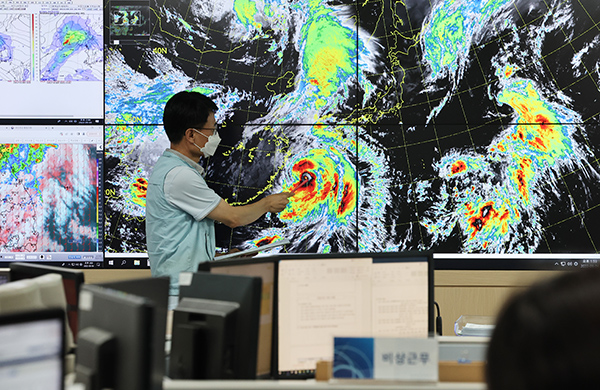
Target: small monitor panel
{"x":355,"y":295}
{"x":129,"y":22}
{"x":264,"y":268}
{"x":246,"y":292}
{"x":156,"y":290}
{"x":203,"y":344}
{"x":32,"y":345}
{"x":126,"y":319}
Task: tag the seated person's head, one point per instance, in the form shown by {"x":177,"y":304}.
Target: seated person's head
{"x":548,"y":337}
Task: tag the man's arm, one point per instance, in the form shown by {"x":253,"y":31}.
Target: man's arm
{"x":234,"y":216}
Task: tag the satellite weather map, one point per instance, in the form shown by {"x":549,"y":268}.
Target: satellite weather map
{"x":75,"y":52}
{"x":41,"y":185}
{"x":454,"y":126}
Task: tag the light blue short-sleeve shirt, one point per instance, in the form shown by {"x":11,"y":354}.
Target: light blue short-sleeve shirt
{"x":179,"y":236}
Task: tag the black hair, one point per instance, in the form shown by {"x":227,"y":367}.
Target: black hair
{"x":184,"y":110}
{"x":547,"y":336}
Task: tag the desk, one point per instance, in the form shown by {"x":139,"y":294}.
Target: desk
{"x":311,"y":384}
{"x":451,"y":348}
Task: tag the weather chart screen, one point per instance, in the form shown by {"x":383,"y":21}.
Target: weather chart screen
{"x":453,"y":126}
{"x":50,"y":195}
{"x":51,"y":60}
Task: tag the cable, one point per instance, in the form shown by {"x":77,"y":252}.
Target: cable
{"x":438,"y":320}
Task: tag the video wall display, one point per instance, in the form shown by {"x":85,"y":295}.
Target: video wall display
{"x":453,"y":126}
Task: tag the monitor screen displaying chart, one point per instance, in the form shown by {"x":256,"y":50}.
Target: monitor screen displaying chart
{"x":367,"y":295}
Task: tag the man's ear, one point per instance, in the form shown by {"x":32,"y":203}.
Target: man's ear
{"x":189,"y":134}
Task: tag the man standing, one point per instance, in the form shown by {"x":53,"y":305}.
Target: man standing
{"x":180,"y":207}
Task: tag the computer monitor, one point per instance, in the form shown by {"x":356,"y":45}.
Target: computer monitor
{"x":115,"y":346}
{"x":245,"y":291}
{"x":156,"y":290}
{"x":32,"y":345}
{"x":52,"y":193}
{"x":263,"y":267}
{"x":322,"y":296}
{"x":203,"y":342}
{"x":72,"y":281}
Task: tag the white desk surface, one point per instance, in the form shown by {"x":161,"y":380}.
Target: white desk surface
{"x":312,"y":384}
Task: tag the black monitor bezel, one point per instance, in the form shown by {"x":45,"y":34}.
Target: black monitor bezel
{"x":117,"y":308}
{"x":156,"y":289}
{"x":21,"y":270}
{"x":514,"y":262}
{"x":247,"y":292}
{"x":204,"y":334}
{"x":243,"y":261}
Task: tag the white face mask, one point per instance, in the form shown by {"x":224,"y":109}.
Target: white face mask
{"x":210,"y":147}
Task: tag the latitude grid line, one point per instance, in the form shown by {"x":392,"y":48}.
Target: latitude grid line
{"x":578,"y":214}
{"x":387,"y":38}
{"x":413,"y":184}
